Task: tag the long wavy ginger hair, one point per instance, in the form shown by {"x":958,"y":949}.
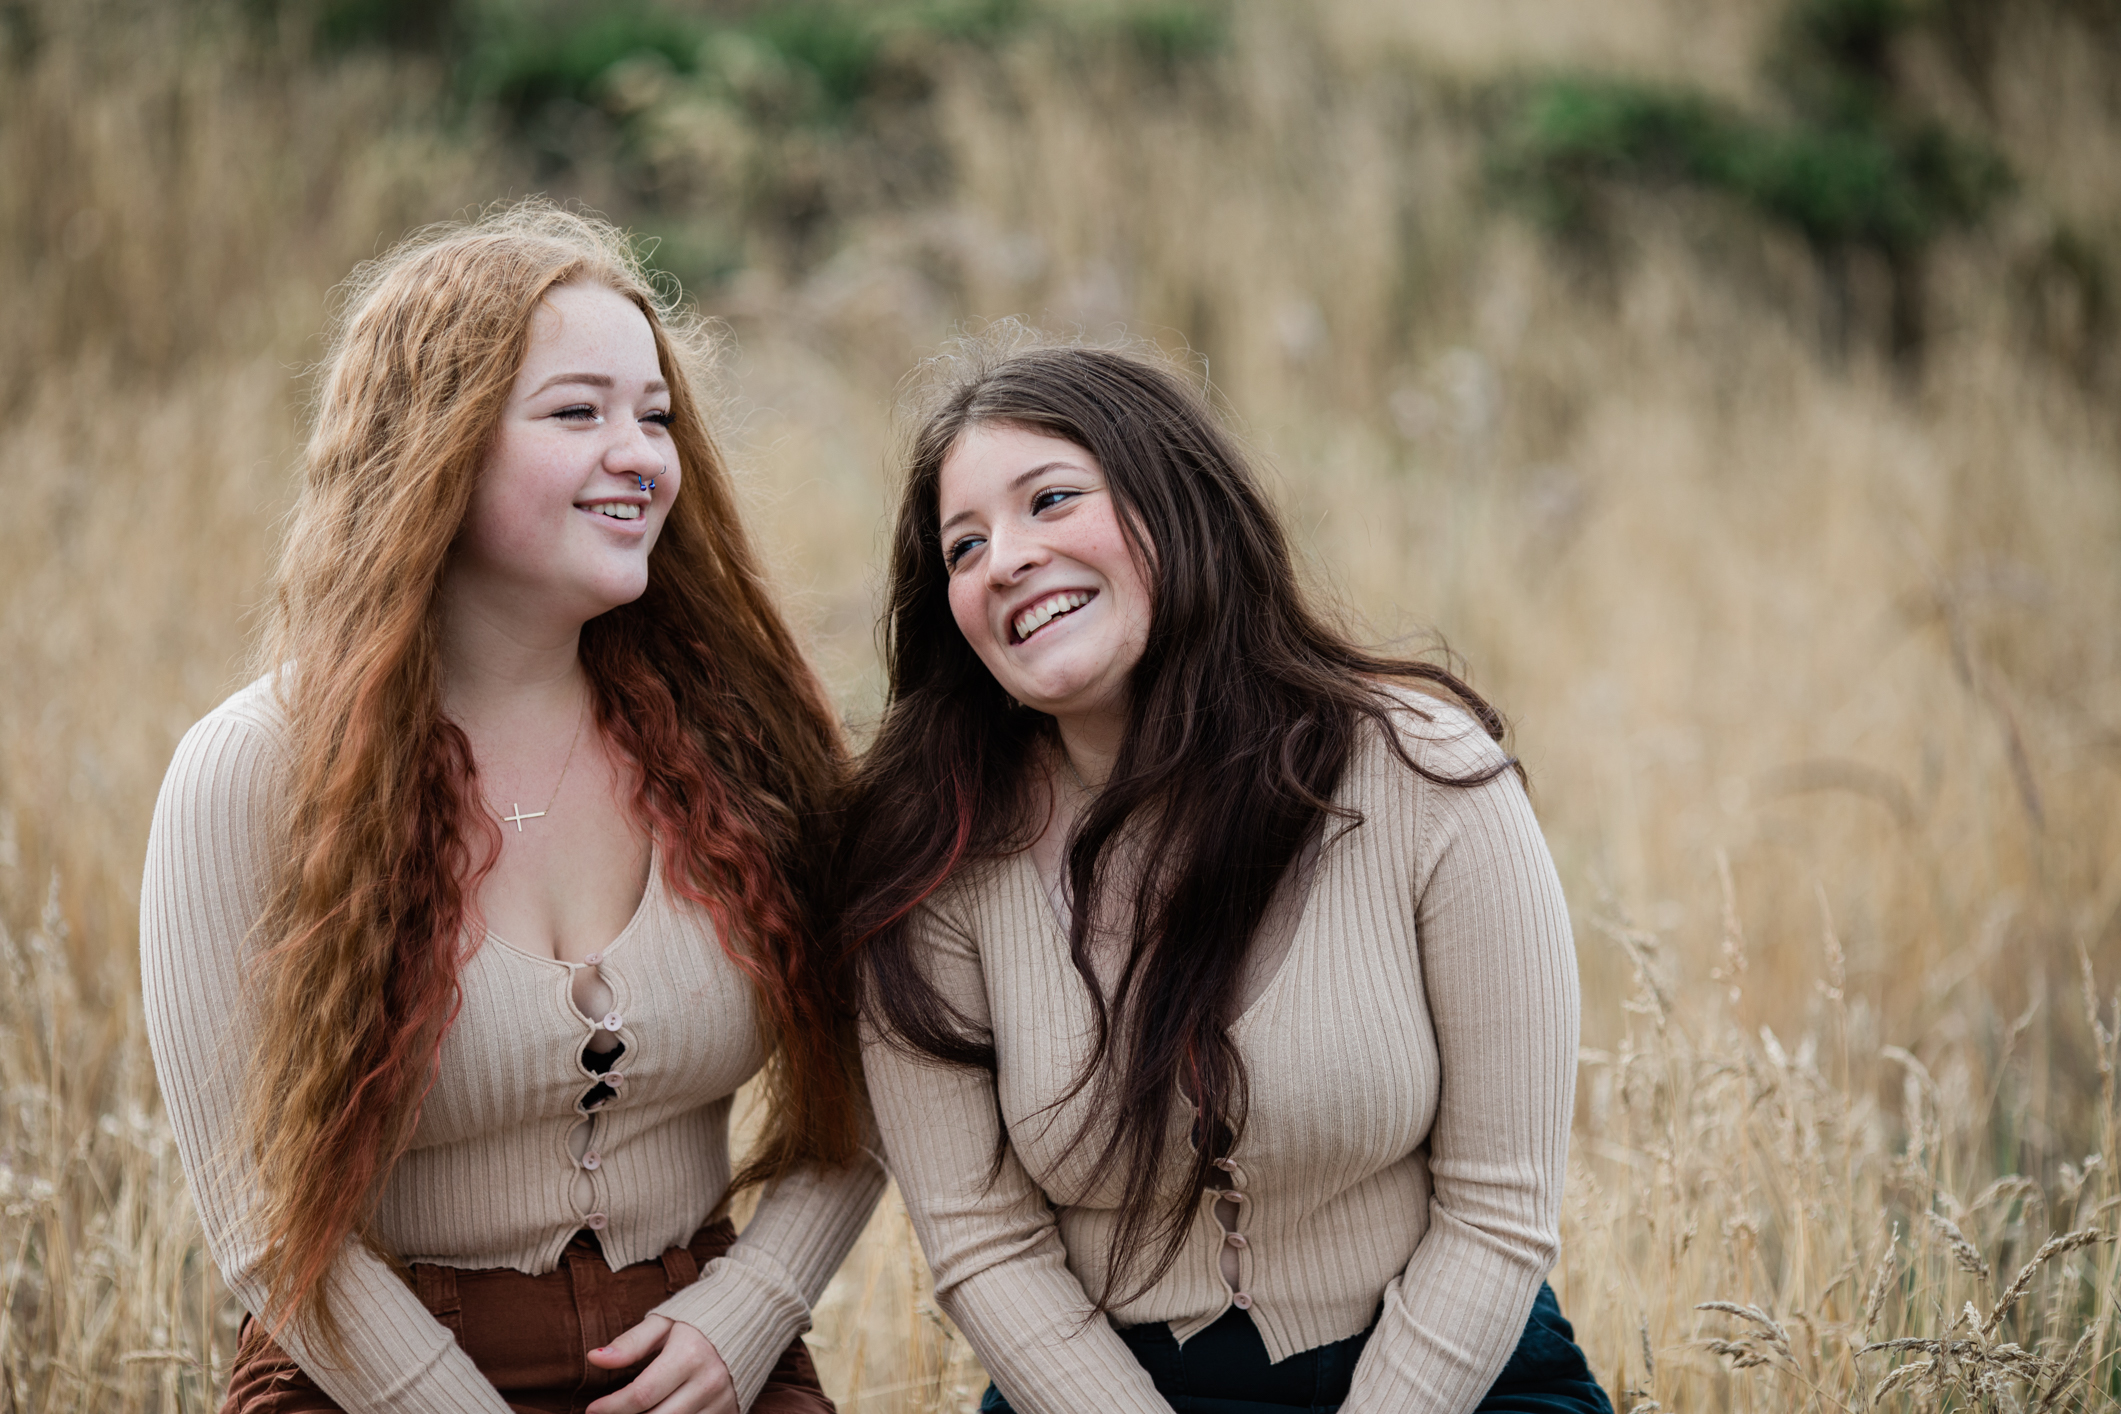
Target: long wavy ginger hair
{"x":698,"y":682}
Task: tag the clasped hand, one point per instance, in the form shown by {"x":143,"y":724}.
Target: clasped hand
{"x":686,"y":1377}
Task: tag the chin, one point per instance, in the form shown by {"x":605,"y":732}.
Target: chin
{"x":1059,"y":700}
{"x":602,"y":598}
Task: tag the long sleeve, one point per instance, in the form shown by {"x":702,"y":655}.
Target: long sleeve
{"x":752,"y":1302}
{"x":1499,"y":967}
{"x":1000,"y":1270}
{"x":207,"y":864}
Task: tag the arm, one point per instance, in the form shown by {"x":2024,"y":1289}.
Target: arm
{"x":1499,"y":965}
{"x":751,"y":1302}
{"x":207,"y":866}
{"x":1000,"y":1270}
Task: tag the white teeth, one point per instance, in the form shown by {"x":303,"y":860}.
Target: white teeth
{"x":1036,"y":617}
{"x":620,"y":510}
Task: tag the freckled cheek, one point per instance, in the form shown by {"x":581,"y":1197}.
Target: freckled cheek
{"x":968,"y":606}
{"x":1103,"y":548}
{"x":497,"y":529}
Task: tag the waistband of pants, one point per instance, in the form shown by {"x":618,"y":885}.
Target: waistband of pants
{"x":439,"y":1287}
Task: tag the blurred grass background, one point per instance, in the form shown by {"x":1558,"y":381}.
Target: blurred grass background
{"x":1734,"y":385}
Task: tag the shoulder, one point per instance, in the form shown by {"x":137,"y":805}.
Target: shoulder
{"x":235,"y":751}
{"x":218,"y":825}
{"x":256,"y":711}
{"x":259,"y":706}
{"x":1436,"y":734}
{"x":958,"y":901}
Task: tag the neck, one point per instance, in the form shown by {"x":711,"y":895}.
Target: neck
{"x":1092,"y":744}
{"x":497,"y":665}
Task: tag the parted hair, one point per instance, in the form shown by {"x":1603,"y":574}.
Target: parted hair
{"x":1242,"y":716}
{"x":372,"y":908}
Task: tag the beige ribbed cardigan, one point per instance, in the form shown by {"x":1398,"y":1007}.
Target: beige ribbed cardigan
{"x":490,"y":1180}
{"x":1412,"y":1067}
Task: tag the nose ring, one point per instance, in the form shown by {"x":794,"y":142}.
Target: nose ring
{"x":647,"y":483}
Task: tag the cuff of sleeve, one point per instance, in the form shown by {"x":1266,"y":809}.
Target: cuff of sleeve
{"x":750,"y":1308}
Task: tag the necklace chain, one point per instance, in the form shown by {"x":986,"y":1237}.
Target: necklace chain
{"x":521,"y":814}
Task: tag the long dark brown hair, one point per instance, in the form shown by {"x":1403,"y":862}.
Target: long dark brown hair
{"x":1242,"y":716}
{"x":698,"y":682}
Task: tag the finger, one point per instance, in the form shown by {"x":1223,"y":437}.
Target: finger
{"x":706,"y":1392}
{"x":703,"y":1385}
{"x":711,"y":1389}
{"x":721,"y":1397}
{"x":665,"y":1376}
{"x":635,"y":1345}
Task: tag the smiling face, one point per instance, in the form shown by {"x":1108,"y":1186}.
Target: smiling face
{"x":559,"y":527}
{"x":1043,"y":582}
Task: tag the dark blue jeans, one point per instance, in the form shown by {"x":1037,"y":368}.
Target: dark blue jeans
{"x":1224,"y":1370}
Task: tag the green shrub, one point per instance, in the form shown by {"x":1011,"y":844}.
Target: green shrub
{"x":430,"y":25}
{"x":525,"y":58}
{"x":1834,"y":58}
{"x":1847,"y":166}
{"x":837,"y":44}
{"x":529,"y":61}
{"x":525,"y":54}
{"x":1169,"y":34}
{"x":977,"y":21}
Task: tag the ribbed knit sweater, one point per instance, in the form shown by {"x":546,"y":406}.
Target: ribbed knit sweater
{"x":1411,"y":1064}
{"x":491,"y":1179}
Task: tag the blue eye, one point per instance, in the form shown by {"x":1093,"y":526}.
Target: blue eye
{"x":959,"y":548}
{"x":1047,"y":500}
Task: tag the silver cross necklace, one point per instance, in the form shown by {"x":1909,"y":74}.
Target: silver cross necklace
{"x":521,"y":814}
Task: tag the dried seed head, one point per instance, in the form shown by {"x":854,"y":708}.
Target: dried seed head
{"x":2065,"y":1374}
{"x":1767,"y":1325}
{"x":1882,"y":1282}
{"x":2049,"y":1250}
{"x":1907,"y":1374}
{"x":1964,"y":1252}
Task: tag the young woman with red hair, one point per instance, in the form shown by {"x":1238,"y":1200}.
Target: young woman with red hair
{"x":462,"y":926}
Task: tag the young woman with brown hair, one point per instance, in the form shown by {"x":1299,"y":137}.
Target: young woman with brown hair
{"x":1220,"y":995}
{"x":462,"y":926}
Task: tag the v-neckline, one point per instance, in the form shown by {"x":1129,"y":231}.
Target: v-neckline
{"x":603,"y":954}
{"x":1280,"y":928}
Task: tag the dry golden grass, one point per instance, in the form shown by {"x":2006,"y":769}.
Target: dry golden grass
{"x":1813,"y":661}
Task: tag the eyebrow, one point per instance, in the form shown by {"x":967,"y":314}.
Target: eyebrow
{"x":595,"y":380}
{"x":1015,"y":485}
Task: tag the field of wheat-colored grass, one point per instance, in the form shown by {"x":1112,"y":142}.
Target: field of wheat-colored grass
{"x":1813,"y":654}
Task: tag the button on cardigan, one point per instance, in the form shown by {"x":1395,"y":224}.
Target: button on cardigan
{"x":1412,"y":1069}
{"x":490,"y":1179}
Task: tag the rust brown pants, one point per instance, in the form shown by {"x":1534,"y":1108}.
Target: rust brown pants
{"x":531,"y":1335}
